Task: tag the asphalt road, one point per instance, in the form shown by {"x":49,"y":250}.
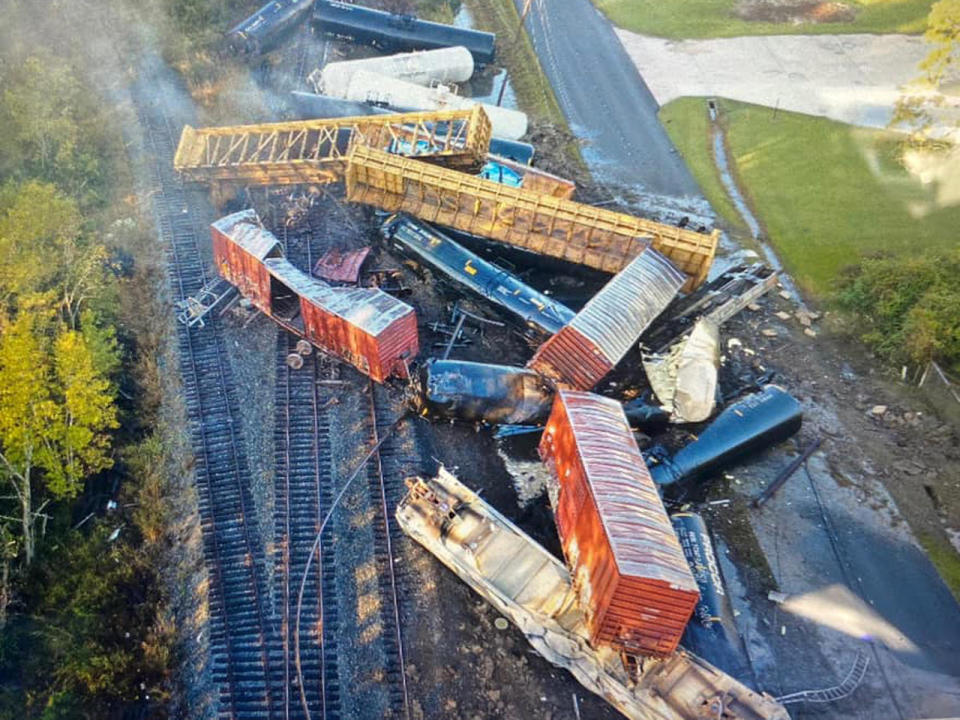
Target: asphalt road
{"x":604,"y":98}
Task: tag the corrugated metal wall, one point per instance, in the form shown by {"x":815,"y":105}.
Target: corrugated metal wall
{"x":627,"y":563}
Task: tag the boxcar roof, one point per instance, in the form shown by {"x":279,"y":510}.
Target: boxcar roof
{"x":616,"y":316}
{"x":638,"y":529}
{"x":369,"y":309}
{"x":244,"y":229}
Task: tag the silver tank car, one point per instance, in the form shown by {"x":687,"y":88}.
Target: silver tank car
{"x":480,"y":392}
{"x":371,"y":87}
{"x":446,"y":65}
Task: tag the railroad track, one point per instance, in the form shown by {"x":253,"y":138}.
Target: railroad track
{"x":238,"y":624}
{"x":385,"y":475}
{"x":304,"y":493}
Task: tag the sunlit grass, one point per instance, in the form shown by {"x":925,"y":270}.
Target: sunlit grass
{"x":946,"y":559}
{"x":825,"y":193}
{"x":716,"y":18}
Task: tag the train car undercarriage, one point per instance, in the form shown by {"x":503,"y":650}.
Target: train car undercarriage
{"x":534,"y":590}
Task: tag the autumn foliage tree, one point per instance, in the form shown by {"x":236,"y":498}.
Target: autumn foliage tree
{"x":56,"y":395}
{"x":926,"y":110}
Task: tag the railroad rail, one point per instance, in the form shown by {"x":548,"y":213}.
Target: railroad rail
{"x":239,"y":627}
{"x":385,"y":487}
{"x":315,"y":151}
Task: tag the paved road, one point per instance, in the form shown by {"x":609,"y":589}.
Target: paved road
{"x":604,"y":98}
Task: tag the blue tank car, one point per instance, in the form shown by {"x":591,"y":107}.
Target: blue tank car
{"x":267,"y":26}
{"x":540,"y":314}
{"x":398,"y":33}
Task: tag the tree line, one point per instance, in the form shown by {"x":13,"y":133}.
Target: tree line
{"x":84,"y":621}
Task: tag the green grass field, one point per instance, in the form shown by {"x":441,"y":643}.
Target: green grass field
{"x":716,"y":18}
{"x":826,"y":193}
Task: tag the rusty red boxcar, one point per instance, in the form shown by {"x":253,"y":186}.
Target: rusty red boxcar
{"x":373,"y":331}
{"x":590,"y":345}
{"x":240,"y":245}
{"x":624,"y":556}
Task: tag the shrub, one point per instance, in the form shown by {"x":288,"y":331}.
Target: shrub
{"x":908,"y":309}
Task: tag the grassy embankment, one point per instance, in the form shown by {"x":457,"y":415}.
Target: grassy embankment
{"x":826,"y":193}
{"x":944,"y":558}
{"x":716,"y":18}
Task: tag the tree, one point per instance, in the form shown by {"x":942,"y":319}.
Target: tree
{"x":56,"y":411}
{"x":46,"y":256}
{"x":52,"y":127}
{"x":35,"y":224}
{"x":26,"y":411}
{"x":919,"y":111}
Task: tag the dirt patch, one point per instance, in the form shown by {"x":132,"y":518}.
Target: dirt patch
{"x":794,"y":11}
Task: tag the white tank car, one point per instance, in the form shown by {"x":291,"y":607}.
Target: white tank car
{"x":373,"y":87}
{"x":446,"y":65}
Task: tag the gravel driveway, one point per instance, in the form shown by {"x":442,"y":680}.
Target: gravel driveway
{"x":852,"y":78}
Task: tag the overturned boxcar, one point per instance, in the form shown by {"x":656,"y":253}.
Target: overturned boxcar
{"x":397,"y":33}
{"x":627,"y":564}
{"x":365,"y":327}
{"x":591,"y":344}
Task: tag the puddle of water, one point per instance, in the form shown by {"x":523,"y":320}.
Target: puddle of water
{"x":485,"y":87}
{"x":733,"y":191}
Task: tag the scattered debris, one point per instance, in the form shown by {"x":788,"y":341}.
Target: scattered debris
{"x":340,"y":266}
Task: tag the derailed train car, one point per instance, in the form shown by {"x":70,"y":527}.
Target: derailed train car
{"x":712,"y":632}
{"x":749,"y":425}
{"x":398,"y":33}
{"x":633,"y":579}
{"x":310,"y":106}
{"x":534,"y":590}
{"x":481,"y":393}
{"x":365,"y":327}
{"x":591,"y":344}
{"x":538,"y":314}
{"x":267,"y":26}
